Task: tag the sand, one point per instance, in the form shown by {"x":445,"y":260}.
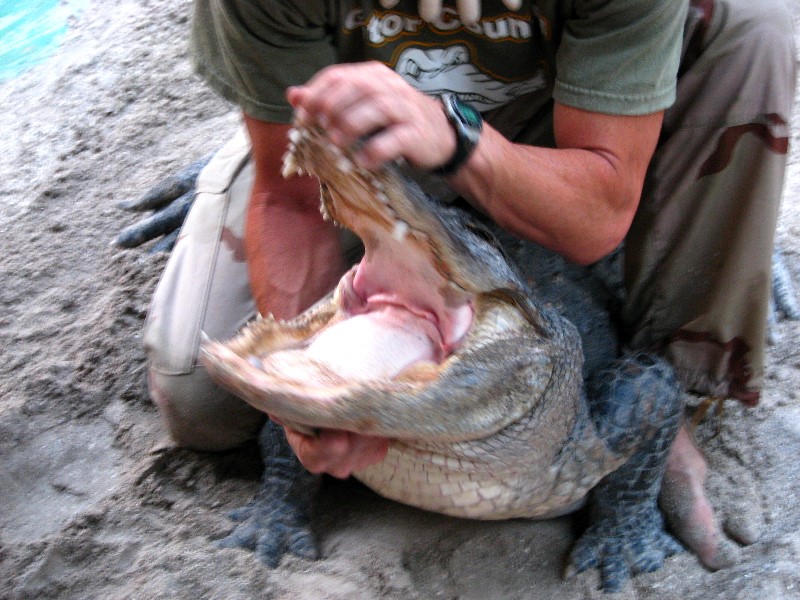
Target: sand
{"x":95,"y":502}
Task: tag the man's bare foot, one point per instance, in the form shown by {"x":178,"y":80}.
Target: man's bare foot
{"x":687,"y":510}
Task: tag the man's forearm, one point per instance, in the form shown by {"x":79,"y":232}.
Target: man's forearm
{"x":577,"y":201}
{"x":293,"y":256}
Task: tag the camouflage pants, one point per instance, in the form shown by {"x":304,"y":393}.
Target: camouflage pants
{"x":698,"y":254}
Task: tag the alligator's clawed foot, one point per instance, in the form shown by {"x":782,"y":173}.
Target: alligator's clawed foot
{"x":784,"y":295}
{"x":271,"y":529}
{"x":170,"y":200}
{"x":637,"y":406}
{"x":784,"y":304}
{"x":639,"y":545}
{"x":276,"y":522}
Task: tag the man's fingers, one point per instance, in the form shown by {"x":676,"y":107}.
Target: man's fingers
{"x":429,"y":9}
{"x":323,"y":454}
{"x":338,"y":453}
{"x":169,"y":189}
{"x":164,"y":221}
{"x":368,"y":451}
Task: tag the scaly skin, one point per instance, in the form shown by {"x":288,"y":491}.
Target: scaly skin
{"x":502,"y":427}
{"x":276,"y":522}
{"x":170,"y":200}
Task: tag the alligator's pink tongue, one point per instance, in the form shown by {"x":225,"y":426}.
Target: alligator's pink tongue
{"x":372,"y":346}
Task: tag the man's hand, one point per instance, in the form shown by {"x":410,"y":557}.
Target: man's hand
{"x":371,"y":104}
{"x":338,"y":453}
{"x":170,"y":200}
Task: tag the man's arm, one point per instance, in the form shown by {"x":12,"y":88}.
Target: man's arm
{"x":293,"y":255}
{"x":578,"y":199}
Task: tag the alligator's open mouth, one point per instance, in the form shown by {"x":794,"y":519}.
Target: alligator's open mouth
{"x":427,"y":292}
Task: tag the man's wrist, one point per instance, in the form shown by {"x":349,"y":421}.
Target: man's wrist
{"x":467,"y":124}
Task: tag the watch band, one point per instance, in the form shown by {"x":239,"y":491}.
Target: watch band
{"x":467,"y":125}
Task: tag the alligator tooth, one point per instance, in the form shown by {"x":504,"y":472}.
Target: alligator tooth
{"x":382,"y":197}
{"x":344,"y":164}
{"x":333,"y":149}
{"x":290,"y":166}
{"x":400,"y":230}
{"x":294,"y":135}
{"x":255,"y":362}
{"x":373,"y":182}
{"x":325,"y":196}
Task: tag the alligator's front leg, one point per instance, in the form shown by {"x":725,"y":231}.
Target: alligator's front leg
{"x":276,"y":522}
{"x":635,"y":406}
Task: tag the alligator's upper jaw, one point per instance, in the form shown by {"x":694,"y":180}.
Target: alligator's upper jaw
{"x":380,"y":204}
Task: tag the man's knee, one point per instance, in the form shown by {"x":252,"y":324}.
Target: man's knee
{"x":764,"y":28}
{"x":200,"y":415}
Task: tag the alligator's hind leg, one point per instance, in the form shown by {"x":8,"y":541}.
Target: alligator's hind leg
{"x":276,"y":522}
{"x":636,"y":407}
{"x":784,"y":297}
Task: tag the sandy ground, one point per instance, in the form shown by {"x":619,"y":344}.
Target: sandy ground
{"x":93,"y":504}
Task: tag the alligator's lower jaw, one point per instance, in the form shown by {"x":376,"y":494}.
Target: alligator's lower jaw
{"x":344,"y":342}
{"x":404,"y":402}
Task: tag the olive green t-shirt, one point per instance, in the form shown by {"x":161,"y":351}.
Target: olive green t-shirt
{"x":611,"y":56}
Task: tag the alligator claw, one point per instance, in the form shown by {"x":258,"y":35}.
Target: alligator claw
{"x":170,"y":200}
{"x":270,"y":530}
{"x":276,"y":522}
{"x":783,"y":302}
{"x":241,"y":514}
{"x":784,"y":296}
{"x":169,"y":189}
{"x":165,"y":220}
{"x":640,"y":545}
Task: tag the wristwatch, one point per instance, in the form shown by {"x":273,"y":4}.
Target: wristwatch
{"x":467,"y":124}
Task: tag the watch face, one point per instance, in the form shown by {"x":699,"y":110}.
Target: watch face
{"x":467,"y":124}
{"x":470,"y":116}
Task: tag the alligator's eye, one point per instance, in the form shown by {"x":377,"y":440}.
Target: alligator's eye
{"x":412,"y":69}
{"x":482,"y":232}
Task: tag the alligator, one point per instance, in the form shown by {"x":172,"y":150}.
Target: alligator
{"x":436,"y":340}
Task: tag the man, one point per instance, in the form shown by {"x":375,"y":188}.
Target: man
{"x":657,"y":123}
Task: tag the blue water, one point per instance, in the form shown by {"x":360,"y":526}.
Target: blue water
{"x":30,"y":31}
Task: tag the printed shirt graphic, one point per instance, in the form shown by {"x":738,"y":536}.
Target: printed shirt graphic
{"x":609,"y":56}
{"x":488,"y":64}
